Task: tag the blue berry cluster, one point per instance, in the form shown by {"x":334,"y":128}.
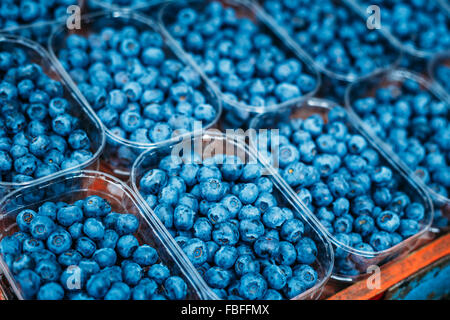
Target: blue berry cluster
{"x":227,"y":218}
{"x":419,"y":24}
{"x":335,"y":36}
{"x":14,"y":13}
{"x":240,"y":56}
{"x":38,"y":136}
{"x":343,"y":181}
{"x":139,"y":92}
{"x":84,"y":252}
{"x":442,"y":74}
{"x":415,"y":124}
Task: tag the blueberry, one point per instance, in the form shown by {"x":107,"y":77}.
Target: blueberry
{"x":50,"y":291}
{"x":41,"y":227}
{"x":158,"y":272}
{"x":126,"y":224}
{"x":176,"y":288}
{"x":29,"y":283}
{"x":196,"y":250}
{"x":132,"y":273}
{"x":380,"y":240}
{"x":59,"y":241}
{"x":69,"y":215}
{"x":48,"y":270}
{"x":118,"y":291}
{"x":24,"y":219}
{"x":98,"y":286}
{"x":306,"y":251}
{"x":85,"y":246}
{"x":252,"y":286}
{"x":126,"y":245}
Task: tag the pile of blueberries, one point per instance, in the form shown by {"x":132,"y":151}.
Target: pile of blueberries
{"x":335,"y":36}
{"x":38,"y":136}
{"x":14,"y":13}
{"x":415,"y":124}
{"x":419,"y":24}
{"x":443,"y":74}
{"x":228,"y":219}
{"x":139,"y":92}
{"x":83,"y":251}
{"x":343,"y":181}
{"x":241,"y":57}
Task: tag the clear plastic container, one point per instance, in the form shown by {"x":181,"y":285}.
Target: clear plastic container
{"x":440,"y":60}
{"x":388,"y":60}
{"x":88,"y":120}
{"x":359,"y":260}
{"x":214,"y":143}
{"x":367,"y":88}
{"x":75,"y":186}
{"x":413,"y":47}
{"x":238,"y":114}
{"x":120,"y":153}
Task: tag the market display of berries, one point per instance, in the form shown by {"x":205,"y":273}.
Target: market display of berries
{"x":240,"y":56}
{"x":334,"y":35}
{"x":225,"y":215}
{"x":245,"y":229}
{"x":14,"y":13}
{"x":84,"y":251}
{"x":343,"y":181}
{"x":140,"y":93}
{"x":415,"y":124}
{"x":38,"y":134}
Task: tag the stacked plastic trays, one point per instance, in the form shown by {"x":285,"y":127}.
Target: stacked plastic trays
{"x":85,"y":118}
{"x":420,"y":37}
{"x":409,"y":116}
{"x":439,"y":70}
{"x":344,"y":225}
{"x":210,"y":148}
{"x":120,"y":151}
{"x":248,"y":86}
{"x":337,"y":39}
{"x":71,"y":187}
